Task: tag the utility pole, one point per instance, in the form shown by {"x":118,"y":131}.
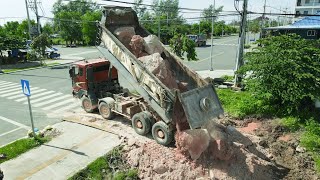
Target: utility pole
{"x":242,"y":38}
{"x":29,"y":23}
{"x":159,"y":28}
{"x":212,"y":26}
{"x":37,"y":15}
{"x":263,"y":18}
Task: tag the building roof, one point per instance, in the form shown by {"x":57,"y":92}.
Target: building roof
{"x":309,"y":22}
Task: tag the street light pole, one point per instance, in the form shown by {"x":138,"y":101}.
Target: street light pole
{"x":28,"y":16}
{"x":212,"y":26}
{"x":242,"y":40}
{"x":37,"y":15}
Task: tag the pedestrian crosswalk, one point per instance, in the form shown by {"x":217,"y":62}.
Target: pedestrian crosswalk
{"x":49,"y":101}
{"x":219,"y":44}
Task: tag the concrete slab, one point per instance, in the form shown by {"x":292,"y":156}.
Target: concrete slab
{"x":65,"y":155}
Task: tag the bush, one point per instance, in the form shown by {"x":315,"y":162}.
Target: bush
{"x":284,"y":73}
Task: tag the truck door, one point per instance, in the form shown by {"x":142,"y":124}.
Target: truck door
{"x":79,"y":80}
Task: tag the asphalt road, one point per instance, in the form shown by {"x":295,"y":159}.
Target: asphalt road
{"x":51,"y":88}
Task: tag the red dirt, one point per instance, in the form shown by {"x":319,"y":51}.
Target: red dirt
{"x":251,"y":127}
{"x":285,"y":138}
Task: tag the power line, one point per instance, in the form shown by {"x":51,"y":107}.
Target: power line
{"x":149,"y":5}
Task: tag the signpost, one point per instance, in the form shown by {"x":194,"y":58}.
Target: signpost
{"x":26,"y":91}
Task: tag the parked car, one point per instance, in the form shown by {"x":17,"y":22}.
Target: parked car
{"x":199,"y":39}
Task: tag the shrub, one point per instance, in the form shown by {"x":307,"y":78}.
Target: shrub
{"x":284,"y":73}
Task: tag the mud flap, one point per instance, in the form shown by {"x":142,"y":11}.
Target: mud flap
{"x":201,"y":105}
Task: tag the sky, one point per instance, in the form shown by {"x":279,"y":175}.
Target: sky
{"x":16,"y":9}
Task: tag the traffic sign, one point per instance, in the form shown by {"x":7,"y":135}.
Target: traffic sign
{"x":26,"y":91}
{"x":25,"y":87}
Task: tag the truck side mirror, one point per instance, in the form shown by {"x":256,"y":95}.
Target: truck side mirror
{"x":72,"y":72}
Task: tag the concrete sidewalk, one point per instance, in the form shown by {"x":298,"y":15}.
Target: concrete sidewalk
{"x":63,"y":156}
{"x":215,"y":74}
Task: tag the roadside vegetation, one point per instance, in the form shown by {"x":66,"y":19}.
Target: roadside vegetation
{"x":110,"y":166}
{"x":19,"y":147}
{"x":283,"y":83}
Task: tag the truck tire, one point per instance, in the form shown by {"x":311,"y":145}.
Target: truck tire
{"x":141,"y":123}
{"x":161,"y":133}
{"x":87,"y":104}
{"x":105,"y":111}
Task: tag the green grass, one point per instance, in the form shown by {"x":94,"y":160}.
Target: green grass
{"x":19,"y":147}
{"x":227,"y":78}
{"x":238,"y":104}
{"x":27,"y":68}
{"x":109,"y":166}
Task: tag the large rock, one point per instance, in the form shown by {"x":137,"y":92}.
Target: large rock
{"x":125,"y":34}
{"x":137,"y":46}
{"x":153,"y":45}
{"x":161,"y":69}
{"x":195,"y":142}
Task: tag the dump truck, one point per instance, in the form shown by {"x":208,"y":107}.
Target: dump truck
{"x":155,"y":107}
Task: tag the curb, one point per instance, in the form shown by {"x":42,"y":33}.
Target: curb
{"x":40,"y":67}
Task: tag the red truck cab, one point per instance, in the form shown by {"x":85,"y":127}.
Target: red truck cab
{"x":92,"y":80}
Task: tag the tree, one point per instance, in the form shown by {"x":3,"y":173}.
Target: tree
{"x":284,"y":73}
{"x":181,"y":44}
{"x":139,"y":8}
{"x":70,"y":26}
{"x":11,"y":28}
{"x":168,"y":9}
{"x":68,"y":18}
{"x":211,"y":11}
{"x":89,"y":27}
{"x":48,"y":29}
{"x":40,"y":43}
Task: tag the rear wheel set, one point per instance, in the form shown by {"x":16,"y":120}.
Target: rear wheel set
{"x":143,"y":123}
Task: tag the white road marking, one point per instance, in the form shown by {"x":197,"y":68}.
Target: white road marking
{"x":44,"y":98}
{"x":9,"y":87}
{"x":51,"y":101}
{"x":10,"y":94}
{"x":11,"y":90}
{"x":15,"y":123}
{"x":6,"y":83}
{"x":66,"y":108}
{"x":22,"y":95}
{"x":3,"y":134}
{"x":36,"y":91}
{"x":38,"y":95}
{"x":209,"y":57}
{"x":59,"y":104}
{"x":222,"y":42}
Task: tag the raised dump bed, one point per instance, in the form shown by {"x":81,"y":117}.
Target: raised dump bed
{"x":188,"y":104}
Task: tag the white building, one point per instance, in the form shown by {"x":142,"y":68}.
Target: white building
{"x":307,"y":7}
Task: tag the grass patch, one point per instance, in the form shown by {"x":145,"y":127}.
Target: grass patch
{"x":18,"y":69}
{"x":19,"y":147}
{"x":238,"y":104}
{"x":109,"y":166}
{"x":247,"y":46}
{"x":227,"y":78}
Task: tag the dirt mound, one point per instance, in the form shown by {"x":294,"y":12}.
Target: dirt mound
{"x":283,"y":148}
{"x":229,"y":155}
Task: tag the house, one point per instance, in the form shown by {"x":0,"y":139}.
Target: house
{"x":305,"y":7}
{"x":307,"y":27}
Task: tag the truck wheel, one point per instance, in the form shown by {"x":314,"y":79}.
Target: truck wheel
{"x":105,"y":111}
{"x":161,"y":133}
{"x":141,"y":123}
{"x":87,"y":104}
